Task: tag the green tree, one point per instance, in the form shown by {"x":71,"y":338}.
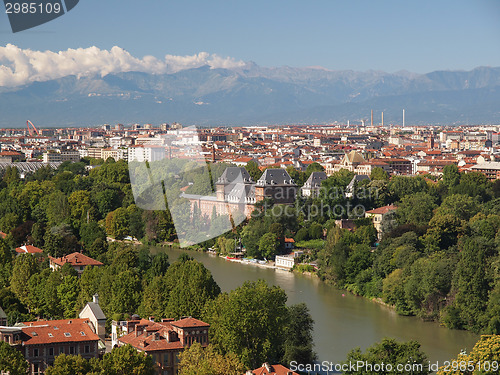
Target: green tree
{"x":25,"y":266}
{"x":206,"y":361}
{"x":68,"y":292}
{"x":268,"y":245}
{"x":298,"y":344}
{"x":390,"y":351}
{"x":379,"y":174}
{"x":451,"y":175}
{"x":126,"y":360}
{"x":416,"y":209}
{"x":117,"y":223}
{"x":73,"y":365}
{"x":253,"y":170}
{"x":191,"y":286}
{"x":254,"y":334}
{"x":11,"y":360}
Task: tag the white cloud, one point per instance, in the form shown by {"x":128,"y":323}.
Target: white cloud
{"x":21,"y":66}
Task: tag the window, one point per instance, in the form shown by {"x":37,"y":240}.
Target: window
{"x":67,"y":334}
{"x":36,"y":369}
{"x":51,"y":335}
{"x":61,"y":349}
{"x":35,"y":352}
{"x":71,"y":350}
{"x":166,"y":358}
{"x":87,"y":348}
{"x":81,"y":268}
{"x":51,"y":351}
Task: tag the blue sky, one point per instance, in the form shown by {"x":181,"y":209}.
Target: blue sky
{"x":418,"y":36}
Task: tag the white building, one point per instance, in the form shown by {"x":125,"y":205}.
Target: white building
{"x":146,"y":153}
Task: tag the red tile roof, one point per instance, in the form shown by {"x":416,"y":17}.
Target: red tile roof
{"x":3,"y":235}
{"x":275,"y":370}
{"x":189,"y":323}
{"x":57,"y":331}
{"x":75,"y":259}
{"x":28,"y":249}
{"x":382,"y":210}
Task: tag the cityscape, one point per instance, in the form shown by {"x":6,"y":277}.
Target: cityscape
{"x":249,"y":188}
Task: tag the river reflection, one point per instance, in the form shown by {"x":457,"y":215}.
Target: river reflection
{"x":342,"y":321}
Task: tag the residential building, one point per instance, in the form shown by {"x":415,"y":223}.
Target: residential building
{"x":77,"y":260}
{"x":312,"y":186}
{"x":93,"y":312}
{"x":41,"y":341}
{"x":287,"y":261}
{"x":162,"y":340}
{"x":490,"y":169}
{"x":28,"y":249}
{"x":382,"y":218}
{"x":146,"y":153}
{"x":60,"y":157}
{"x":277,"y":185}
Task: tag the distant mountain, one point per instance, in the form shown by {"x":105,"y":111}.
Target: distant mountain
{"x":256,"y":95}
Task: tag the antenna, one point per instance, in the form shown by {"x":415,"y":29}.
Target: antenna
{"x":403,"y":118}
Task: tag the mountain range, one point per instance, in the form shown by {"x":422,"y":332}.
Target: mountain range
{"x":257,"y":95}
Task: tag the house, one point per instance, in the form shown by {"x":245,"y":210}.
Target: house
{"x":28,"y":249}
{"x":3,"y":235}
{"x":349,"y":191}
{"x":289,"y":243}
{"x":77,"y":260}
{"x":490,"y":169}
{"x":382,"y":217}
{"x":162,"y":340}
{"x":267,"y":369}
{"x":41,"y":341}
{"x":93,"y":312}
{"x":287,"y":261}
{"x":312,"y":186}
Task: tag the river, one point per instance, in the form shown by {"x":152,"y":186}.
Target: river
{"x":342,"y":320}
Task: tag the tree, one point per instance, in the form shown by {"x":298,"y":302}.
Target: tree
{"x":268,"y":245}
{"x":79,"y":203}
{"x":399,"y":186}
{"x":73,"y":365}
{"x":160,"y":264}
{"x":68,"y":292}
{"x":451,"y":175}
{"x":379,"y":174}
{"x":25,"y":266}
{"x":253,"y":170}
{"x":126,"y":360}
{"x":198,"y":361}
{"x":249,"y":321}
{"x":117,"y":223}
{"x":416,"y":209}
{"x":298,"y":344}
{"x":390,"y":352}
{"x":191,"y":286}
{"x":12,"y":361}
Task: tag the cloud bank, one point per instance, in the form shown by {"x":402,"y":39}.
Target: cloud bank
{"x":21,"y":66}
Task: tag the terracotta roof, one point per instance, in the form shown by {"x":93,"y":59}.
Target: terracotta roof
{"x":382,"y":210}
{"x":290,"y":240}
{"x":75,"y":259}
{"x":274,"y":370}
{"x":57,"y":331}
{"x":189,"y":323}
{"x":3,"y":235}
{"x":28,"y":249}
{"x":155,"y":334}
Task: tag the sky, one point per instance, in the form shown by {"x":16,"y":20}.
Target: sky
{"x":417,"y":36}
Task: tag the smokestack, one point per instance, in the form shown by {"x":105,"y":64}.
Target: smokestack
{"x":382,"y":119}
{"x":403,"y":118}
{"x":372,"y":119}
